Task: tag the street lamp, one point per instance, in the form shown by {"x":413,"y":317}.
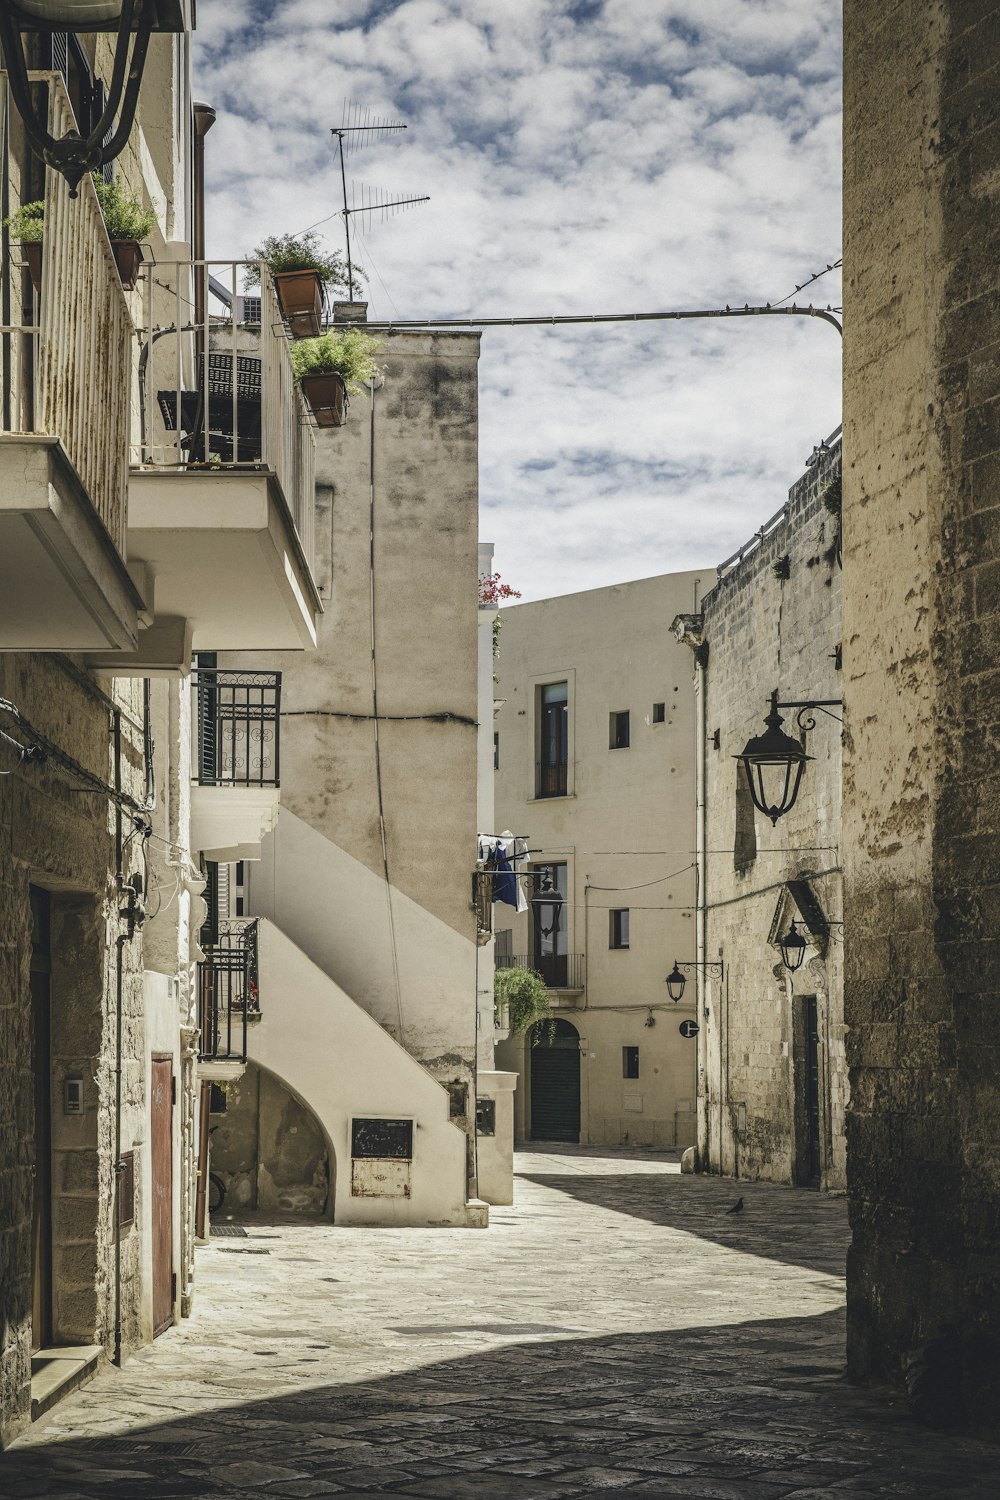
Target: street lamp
{"x":677,"y":979}
{"x":774,"y":761}
{"x":73,"y":154}
{"x":793,"y":948}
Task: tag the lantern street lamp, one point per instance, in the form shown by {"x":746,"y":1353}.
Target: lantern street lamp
{"x":793,"y":948}
{"x":677,"y":979}
{"x":73,"y":154}
{"x":774,"y":761}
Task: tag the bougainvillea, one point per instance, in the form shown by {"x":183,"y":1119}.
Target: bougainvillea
{"x":492,"y":591}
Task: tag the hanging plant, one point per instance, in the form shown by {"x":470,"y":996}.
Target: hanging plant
{"x":524,"y":996}
{"x":26,"y":228}
{"x":340,"y":360}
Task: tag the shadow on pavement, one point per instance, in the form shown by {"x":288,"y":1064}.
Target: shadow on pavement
{"x":778,"y":1223}
{"x":752,"y":1411}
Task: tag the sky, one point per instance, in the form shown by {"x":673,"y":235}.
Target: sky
{"x":584,"y":156}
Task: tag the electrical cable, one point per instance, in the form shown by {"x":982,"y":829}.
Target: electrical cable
{"x":643,"y":885}
{"x":441,"y":716}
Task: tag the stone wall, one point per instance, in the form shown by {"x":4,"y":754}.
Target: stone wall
{"x":58,"y":837}
{"x":772,"y":621}
{"x":922,"y":670}
{"x":269,"y":1149}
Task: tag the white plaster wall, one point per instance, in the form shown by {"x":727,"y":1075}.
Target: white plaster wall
{"x":628,"y":822}
{"x":496,"y":1152}
{"x":336,"y":1058}
{"x":336,"y":910}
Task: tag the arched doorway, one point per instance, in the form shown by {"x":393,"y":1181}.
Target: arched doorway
{"x":555,"y":1081}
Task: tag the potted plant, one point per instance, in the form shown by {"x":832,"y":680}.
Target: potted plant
{"x":300,"y":270}
{"x":126,"y":222}
{"x":26,"y":228}
{"x":341,"y":360}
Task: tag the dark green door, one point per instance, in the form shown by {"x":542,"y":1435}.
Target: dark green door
{"x":555,"y":1083}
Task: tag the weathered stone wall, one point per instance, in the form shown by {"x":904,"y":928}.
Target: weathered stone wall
{"x":58,"y":837}
{"x":772,"y":621}
{"x":922,"y":752}
{"x":269,"y":1149}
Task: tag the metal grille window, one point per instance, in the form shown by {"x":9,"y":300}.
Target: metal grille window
{"x":618,"y":738}
{"x":486,"y":1117}
{"x":126,"y":1191}
{"x":228,"y":991}
{"x":237,"y":717}
{"x":630,"y":1062}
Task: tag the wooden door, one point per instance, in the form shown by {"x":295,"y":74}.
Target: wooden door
{"x":161,"y":1152}
{"x":555,"y":1082}
{"x":41,"y":1067}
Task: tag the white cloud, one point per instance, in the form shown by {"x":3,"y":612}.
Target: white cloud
{"x":624,"y":155}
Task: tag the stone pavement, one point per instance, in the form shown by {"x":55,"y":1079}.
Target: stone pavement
{"x":614,"y":1333}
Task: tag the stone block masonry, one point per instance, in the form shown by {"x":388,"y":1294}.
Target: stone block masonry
{"x":922,"y":669}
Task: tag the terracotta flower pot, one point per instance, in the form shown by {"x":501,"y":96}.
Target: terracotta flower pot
{"x":300,"y":297}
{"x":128,"y":259}
{"x":32,"y":252}
{"x":327,"y":398}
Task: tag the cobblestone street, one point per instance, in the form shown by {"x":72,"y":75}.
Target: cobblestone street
{"x":617,"y":1331}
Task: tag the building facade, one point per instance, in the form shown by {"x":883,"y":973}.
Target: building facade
{"x":595,"y":758}
{"x":922,"y":684}
{"x":772,"y":1078}
{"x":362,"y":897}
{"x":132,"y":532}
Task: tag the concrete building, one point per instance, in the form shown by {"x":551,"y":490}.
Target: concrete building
{"x":122,"y":548}
{"x":362,"y":897}
{"x":922,"y":689}
{"x":772,"y":1077}
{"x":596,"y":769}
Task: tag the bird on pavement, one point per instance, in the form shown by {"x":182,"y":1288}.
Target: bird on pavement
{"x":737,"y":1207}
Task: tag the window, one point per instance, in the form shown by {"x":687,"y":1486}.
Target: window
{"x":745,"y":839}
{"x":126,"y":1191}
{"x":496,"y":751}
{"x":550,"y":939}
{"x":553,"y":740}
{"x":619,"y":736}
{"x":630,"y":1062}
{"x":486,"y":1117}
{"x":619,"y":928}
{"x":659,"y":713}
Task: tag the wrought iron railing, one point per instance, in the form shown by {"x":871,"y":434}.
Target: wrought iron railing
{"x":68,"y":368}
{"x":228,"y":991}
{"x":236,"y":721}
{"x":561,"y":971}
{"x":217,"y":387}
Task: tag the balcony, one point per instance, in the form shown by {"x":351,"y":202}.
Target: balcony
{"x":222,"y":488}
{"x":561,"y":971}
{"x":64,"y":433}
{"x":236,"y":730}
{"x":228,"y":997}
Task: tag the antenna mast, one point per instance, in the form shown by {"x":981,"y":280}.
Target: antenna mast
{"x":350,"y":136}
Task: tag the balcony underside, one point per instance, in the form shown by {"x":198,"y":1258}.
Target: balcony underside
{"x":224,"y":554}
{"x":63,"y":586}
{"x":229,"y":822}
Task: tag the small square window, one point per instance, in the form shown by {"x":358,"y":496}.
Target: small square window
{"x":619,"y":737}
{"x":630,"y":1062}
{"x":619,"y":928}
{"x":659,"y":713}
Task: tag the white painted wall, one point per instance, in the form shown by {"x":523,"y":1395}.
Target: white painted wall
{"x":340,"y":1063}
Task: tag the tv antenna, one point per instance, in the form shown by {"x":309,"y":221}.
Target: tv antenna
{"x":358,"y":128}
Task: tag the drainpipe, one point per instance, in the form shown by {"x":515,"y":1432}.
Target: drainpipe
{"x":119,"y":1008}
{"x":204,"y":118}
{"x":701,"y":914}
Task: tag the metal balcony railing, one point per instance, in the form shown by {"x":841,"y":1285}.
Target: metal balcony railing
{"x":236,"y":722}
{"x":561,"y":971}
{"x":228,"y":992}
{"x":68,"y":368}
{"x":217,"y":390}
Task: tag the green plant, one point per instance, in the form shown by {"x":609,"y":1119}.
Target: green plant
{"x":524,"y":994}
{"x":301,"y":252}
{"x":124,"y":217}
{"x":28,"y":223}
{"x":349,"y":353}
{"x":832,"y":496}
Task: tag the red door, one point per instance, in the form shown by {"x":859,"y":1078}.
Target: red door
{"x":162,"y":1175}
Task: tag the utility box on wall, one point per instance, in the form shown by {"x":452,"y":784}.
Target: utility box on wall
{"x":381,"y":1155}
